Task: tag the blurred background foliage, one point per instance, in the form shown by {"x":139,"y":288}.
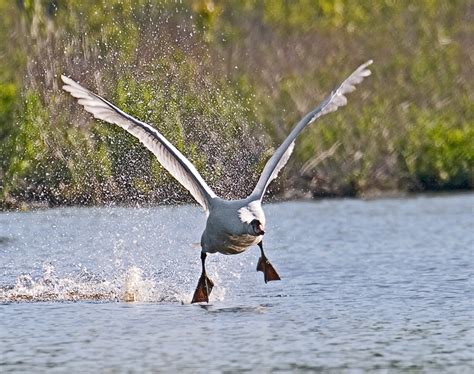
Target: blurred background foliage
{"x":225,"y":81}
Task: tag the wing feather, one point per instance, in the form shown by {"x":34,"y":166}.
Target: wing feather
{"x":168,"y":156}
{"x":330,"y":104}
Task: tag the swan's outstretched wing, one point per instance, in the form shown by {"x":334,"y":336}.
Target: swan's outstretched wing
{"x":330,"y":104}
{"x":171,"y":159}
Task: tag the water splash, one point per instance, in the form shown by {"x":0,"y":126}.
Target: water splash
{"x":49,"y":287}
{"x":130,"y":285}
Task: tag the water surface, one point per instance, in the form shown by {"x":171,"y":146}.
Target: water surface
{"x":366,"y":285}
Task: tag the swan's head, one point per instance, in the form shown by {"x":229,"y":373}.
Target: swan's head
{"x":253,"y":218}
{"x":256,"y":228}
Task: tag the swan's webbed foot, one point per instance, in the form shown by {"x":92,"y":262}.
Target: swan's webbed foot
{"x":203,"y":289}
{"x":263,"y":265}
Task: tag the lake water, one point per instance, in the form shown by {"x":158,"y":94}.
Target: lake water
{"x":366,"y":285}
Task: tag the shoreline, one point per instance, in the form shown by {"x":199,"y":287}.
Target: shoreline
{"x":275,"y":199}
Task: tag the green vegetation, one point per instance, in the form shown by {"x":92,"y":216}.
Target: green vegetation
{"x":225,"y":81}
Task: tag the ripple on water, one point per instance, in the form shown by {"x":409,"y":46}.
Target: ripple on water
{"x":382,"y":285}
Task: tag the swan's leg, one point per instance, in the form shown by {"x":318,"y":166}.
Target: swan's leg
{"x":204,"y":287}
{"x":269,"y":272}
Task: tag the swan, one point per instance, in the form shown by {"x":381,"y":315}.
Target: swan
{"x":232,"y":225}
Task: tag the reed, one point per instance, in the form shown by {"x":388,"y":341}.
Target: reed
{"x":225,"y":81}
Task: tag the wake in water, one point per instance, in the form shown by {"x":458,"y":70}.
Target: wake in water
{"x":130,"y":285}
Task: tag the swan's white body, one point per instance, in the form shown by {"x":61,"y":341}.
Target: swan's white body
{"x":227,"y":226}
{"x":230,"y":225}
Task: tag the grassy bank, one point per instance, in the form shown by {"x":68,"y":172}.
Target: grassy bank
{"x":225,"y":82}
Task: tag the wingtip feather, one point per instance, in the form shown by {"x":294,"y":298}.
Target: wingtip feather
{"x":67,"y":80}
{"x":363,"y":69}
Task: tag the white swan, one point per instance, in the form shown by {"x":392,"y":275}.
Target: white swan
{"x":232,"y":225}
